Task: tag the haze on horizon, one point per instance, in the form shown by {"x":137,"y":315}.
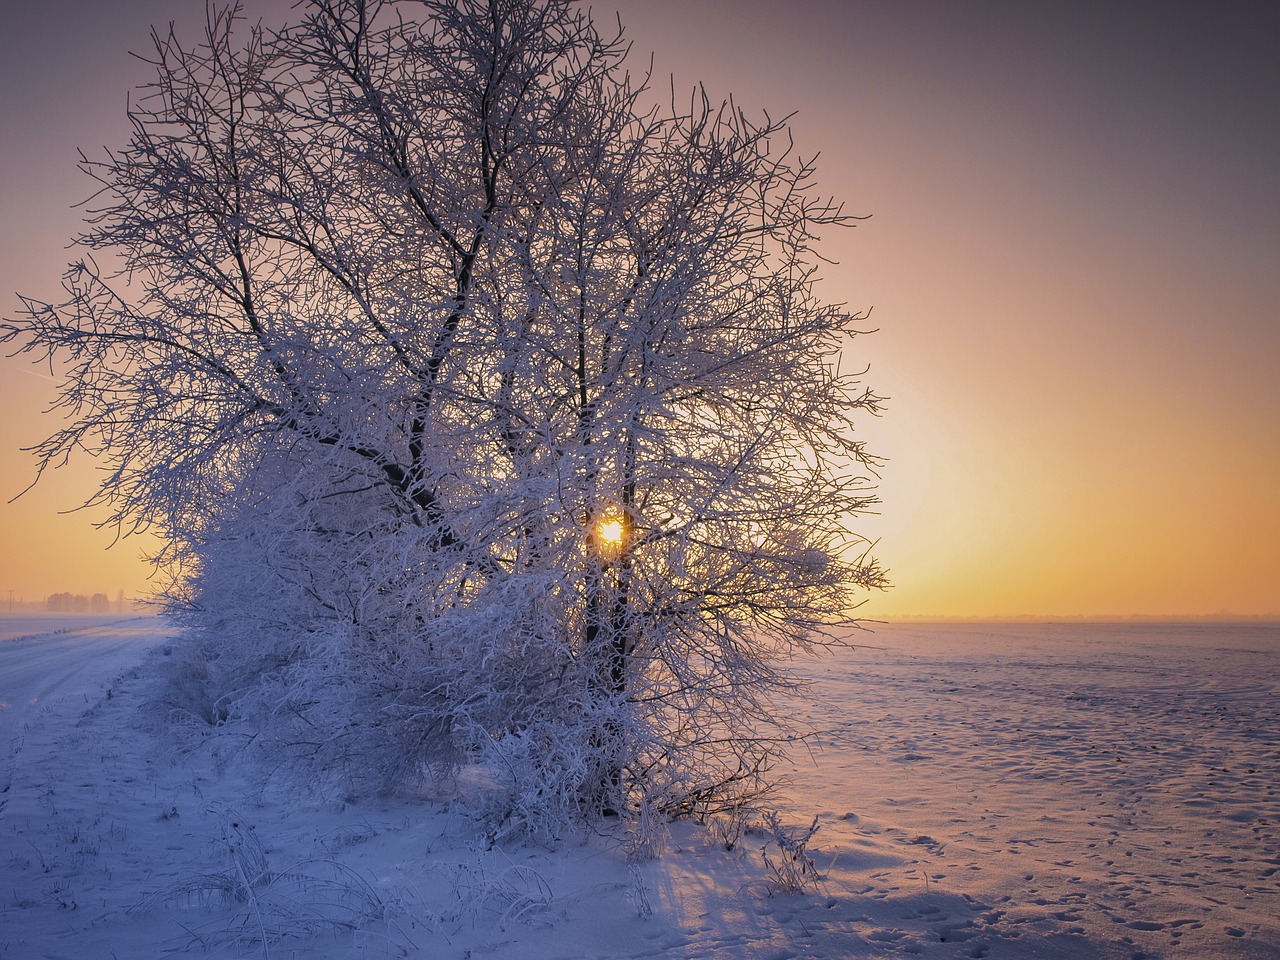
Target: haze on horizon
{"x":1071,"y":256}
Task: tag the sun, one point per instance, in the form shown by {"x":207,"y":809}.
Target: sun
{"x":611,"y":532}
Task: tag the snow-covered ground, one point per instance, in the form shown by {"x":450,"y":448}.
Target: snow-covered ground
{"x":1072,"y":791}
{"x":58,"y":661}
{"x":24,"y":625}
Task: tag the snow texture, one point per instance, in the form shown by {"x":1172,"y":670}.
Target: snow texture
{"x":1063,"y":791}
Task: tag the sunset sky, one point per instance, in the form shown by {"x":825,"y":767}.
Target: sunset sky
{"x":1073,"y":260}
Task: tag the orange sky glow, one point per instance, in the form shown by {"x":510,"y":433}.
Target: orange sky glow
{"x":1072,"y":262}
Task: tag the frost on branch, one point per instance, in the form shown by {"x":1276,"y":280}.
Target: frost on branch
{"x":401,"y":314}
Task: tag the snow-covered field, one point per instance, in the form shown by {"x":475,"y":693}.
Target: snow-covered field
{"x":1075,"y":791}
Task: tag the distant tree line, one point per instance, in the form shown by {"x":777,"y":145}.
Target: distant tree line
{"x":78,"y":603}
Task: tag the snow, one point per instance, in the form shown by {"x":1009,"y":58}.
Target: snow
{"x":982,"y":790}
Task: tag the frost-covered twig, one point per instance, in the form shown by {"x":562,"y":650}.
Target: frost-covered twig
{"x":792,"y":869}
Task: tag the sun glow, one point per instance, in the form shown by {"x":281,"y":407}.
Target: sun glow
{"x":611,"y":532}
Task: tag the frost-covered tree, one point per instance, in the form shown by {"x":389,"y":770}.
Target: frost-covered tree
{"x":488,"y":408}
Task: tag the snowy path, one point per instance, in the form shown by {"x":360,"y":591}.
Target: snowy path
{"x":65,"y":660}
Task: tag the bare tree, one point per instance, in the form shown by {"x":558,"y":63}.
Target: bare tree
{"x":489,"y":404}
